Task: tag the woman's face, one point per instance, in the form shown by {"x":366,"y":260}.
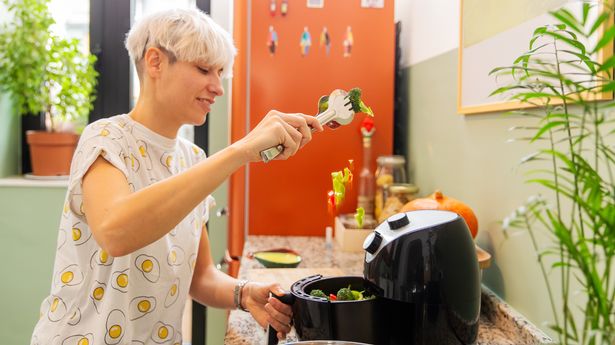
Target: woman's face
{"x":190,"y":90}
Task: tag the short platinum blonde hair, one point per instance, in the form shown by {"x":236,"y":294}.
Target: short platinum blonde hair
{"x":184,"y":35}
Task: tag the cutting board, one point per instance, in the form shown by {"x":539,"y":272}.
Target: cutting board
{"x":287,"y":276}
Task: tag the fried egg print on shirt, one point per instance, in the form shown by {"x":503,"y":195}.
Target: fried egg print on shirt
{"x":172,"y":293}
{"x":100,"y":258}
{"x":69,"y":276}
{"x":79,"y":339}
{"x":57,"y":308}
{"x":141,"y":306}
{"x":119,"y":281}
{"x":116,"y":326}
{"x":176,"y":256}
{"x":161,"y":333}
{"x":149,"y":266}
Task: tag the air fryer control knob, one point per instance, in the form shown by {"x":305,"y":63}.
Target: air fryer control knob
{"x":372,"y":242}
{"x":398,"y":221}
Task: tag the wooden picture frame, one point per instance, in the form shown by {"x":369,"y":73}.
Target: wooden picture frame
{"x":494,"y":33}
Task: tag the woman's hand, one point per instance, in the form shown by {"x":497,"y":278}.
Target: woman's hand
{"x":292,"y":131}
{"x":267,"y":310}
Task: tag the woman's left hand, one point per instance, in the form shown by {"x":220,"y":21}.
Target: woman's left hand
{"x":267,"y":310}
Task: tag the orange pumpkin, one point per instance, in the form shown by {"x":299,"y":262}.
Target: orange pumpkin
{"x":437,"y":201}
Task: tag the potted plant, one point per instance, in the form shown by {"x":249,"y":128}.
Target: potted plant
{"x":48,"y":74}
{"x":574,"y":164}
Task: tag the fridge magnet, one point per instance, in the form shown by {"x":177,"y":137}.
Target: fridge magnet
{"x":325,"y":40}
{"x":315,"y":3}
{"x":272,"y":7}
{"x":348,"y":42}
{"x":272,"y":40}
{"x":372,"y":3}
{"x":284,"y":7}
{"x":306,"y":41}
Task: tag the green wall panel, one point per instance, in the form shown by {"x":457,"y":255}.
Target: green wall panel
{"x":29,"y":219}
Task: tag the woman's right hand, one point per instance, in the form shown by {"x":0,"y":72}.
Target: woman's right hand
{"x":292,"y":131}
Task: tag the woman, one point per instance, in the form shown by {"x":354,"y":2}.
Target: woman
{"x":132,"y":243}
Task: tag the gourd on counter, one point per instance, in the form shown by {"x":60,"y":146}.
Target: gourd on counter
{"x":438,"y":201}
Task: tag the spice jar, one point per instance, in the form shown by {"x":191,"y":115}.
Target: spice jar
{"x":395,"y":197}
{"x":390,"y":170}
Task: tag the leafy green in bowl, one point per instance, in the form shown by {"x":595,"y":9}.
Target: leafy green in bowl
{"x":278,"y":259}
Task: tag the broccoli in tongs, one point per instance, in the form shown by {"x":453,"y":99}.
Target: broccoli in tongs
{"x":357,"y":104}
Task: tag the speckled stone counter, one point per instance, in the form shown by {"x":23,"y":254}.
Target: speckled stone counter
{"x":499,"y":323}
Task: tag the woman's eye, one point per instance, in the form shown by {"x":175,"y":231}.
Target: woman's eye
{"x":203,"y":70}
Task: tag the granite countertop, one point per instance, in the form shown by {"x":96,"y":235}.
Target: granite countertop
{"x":499,"y":323}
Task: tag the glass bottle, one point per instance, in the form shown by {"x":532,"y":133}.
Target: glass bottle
{"x":390,"y":170}
{"x":367,"y":184}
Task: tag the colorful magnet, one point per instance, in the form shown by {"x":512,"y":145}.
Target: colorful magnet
{"x":325,"y":40}
{"x":272,"y":7}
{"x":272,"y":40}
{"x":315,"y":3}
{"x":348,"y":42}
{"x":372,"y":3}
{"x":306,"y":41}
{"x":284,"y":7}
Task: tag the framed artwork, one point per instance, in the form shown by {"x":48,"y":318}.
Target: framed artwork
{"x":315,"y":3}
{"x":493,"y":33}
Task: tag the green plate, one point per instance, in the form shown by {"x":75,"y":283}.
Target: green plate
{"x":274,"y":259}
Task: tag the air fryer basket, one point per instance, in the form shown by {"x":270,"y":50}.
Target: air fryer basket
{"x":316,"y":318}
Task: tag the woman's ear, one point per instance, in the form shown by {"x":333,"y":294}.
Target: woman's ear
{"x":154,"y":61}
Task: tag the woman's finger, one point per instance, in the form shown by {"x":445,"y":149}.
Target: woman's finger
{"x":299,"y":121}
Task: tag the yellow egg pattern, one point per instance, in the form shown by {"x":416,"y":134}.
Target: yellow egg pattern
{"x":124,"y":293}
{"x":141,"y":306}
{"x":70,"y":275}
{"x":97,"y":294}
{"x":80,"y":233}
{"x":119,"y":281}
{"x":172,"y":294}
{"x":116,"y":327}
{"x":176,"y":256}
{"x":57,"y":308}
{"x":162,"y":332}
{"x":100,"y":258}
{"x":149,"y":266}
{"x":79,"y":339}
{"x":75,"y":317}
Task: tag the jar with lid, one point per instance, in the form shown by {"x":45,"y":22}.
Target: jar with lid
{"x":390,"y":170}
{"x":395,"y":197}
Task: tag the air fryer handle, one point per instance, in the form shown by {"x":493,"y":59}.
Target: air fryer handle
{"x":287,"y":298}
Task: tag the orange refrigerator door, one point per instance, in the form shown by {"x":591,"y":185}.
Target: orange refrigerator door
{"x":290,"y":197}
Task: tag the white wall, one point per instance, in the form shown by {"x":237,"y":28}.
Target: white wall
{"x":429,"y":28}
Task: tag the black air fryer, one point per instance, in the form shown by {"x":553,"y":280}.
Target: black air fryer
{"x":422,"y":266}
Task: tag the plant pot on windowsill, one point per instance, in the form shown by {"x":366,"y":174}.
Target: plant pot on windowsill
{"x":51,"y":152}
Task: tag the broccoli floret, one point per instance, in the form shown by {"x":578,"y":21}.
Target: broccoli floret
{"x":345,"y":294}
{"x":357,"y":104}
{"x":318,"y":293}
{"x":355,"y":99}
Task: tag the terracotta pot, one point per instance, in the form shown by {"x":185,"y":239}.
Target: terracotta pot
{"x":51,"y":152}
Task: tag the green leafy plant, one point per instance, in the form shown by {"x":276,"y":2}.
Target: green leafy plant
{"x":575,"y":153}
{"x":41,"y":71}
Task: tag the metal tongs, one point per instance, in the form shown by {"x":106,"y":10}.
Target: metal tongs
{"x":338,"y":113}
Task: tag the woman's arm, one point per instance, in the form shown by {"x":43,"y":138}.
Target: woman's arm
{"x":214,"y":288}
{"x":123,"y":221}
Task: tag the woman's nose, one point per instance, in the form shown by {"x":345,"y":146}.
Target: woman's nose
{"x":216,"y":86}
